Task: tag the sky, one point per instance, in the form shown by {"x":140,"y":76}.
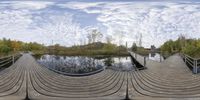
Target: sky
{"x":68,"y":22}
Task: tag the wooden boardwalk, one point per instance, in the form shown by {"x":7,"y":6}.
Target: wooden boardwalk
{"x":168,"y":80}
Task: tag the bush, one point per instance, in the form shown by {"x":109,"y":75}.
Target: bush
{"x":5,"y":49}
{"x":190,"y":47}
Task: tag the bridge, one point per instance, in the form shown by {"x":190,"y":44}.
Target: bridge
{"x":170,"y":79}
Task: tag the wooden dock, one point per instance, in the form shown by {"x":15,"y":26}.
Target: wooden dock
{"x":167,"y":80}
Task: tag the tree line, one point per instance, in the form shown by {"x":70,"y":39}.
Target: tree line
{"x":190,"y":47}
{"x":8,"y":46}
{"x":95,"y":48}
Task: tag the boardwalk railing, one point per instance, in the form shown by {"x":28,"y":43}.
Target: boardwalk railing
{"x":192,"y":63}
{"x":138,"y":60}
{"x":8,"y":60}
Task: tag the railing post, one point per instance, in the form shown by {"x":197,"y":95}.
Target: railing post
{"x":135,"y":56}
{"x":144,"y":61}
{"x":194,"y":67}
{"x":160,"y":58}
{"x":13,"y":59}
{"x":185,"y":58}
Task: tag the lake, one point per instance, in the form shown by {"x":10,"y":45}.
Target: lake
{"x":84,"y":64}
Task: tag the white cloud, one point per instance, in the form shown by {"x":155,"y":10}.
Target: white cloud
{"x":78,"y":5}
{"x":14,"y":22}
{"x":21,"y":23}
{"x":156,"y":21}
{"x":60,"y":29}
{"x":30,"y":5}
{"x":124,"y":21}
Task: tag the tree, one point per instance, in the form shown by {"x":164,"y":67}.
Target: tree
{"x":95,"y":34}
{"x":109,"y":47}
{"x":26,"y":47}
{"x":99,"y":36}
{"x":56,"y":48}
{"x":182,"y":41}
{"x":134,"y":47}
{"x":187,"y":46}
{"x":89,"y":38}
{"x":108,"y":39}
{"x":15,"y":45}
{"x":5,"y":49}
{"x":168,"y":47}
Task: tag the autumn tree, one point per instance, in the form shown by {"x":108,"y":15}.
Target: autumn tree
{"x":15,"y":45}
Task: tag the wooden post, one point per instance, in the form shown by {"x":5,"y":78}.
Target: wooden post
{"x":126,"y":45}
{"x":13,"y":59}
{"x":144,"y":61}
{"x":196,"y":66}
{"x":135,"y":56}
{"x":185,"y":58}
{"x":193,"y":67}
{"x":160,"y":58}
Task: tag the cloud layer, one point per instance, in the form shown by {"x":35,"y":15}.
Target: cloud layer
{"x":44,"y":21}
{"x":156,"y":21}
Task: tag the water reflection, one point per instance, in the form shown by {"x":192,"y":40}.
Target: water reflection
{"x":156,"y":57}
{"x":119,"y":63}
{"x":84,"y":64}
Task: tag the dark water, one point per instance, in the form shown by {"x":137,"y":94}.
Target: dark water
{"x":84,"y":64}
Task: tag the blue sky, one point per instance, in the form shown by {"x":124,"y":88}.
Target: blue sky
{"x":69,"y":22}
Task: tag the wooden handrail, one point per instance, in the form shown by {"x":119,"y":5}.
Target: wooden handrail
{"x":192,"y":62}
